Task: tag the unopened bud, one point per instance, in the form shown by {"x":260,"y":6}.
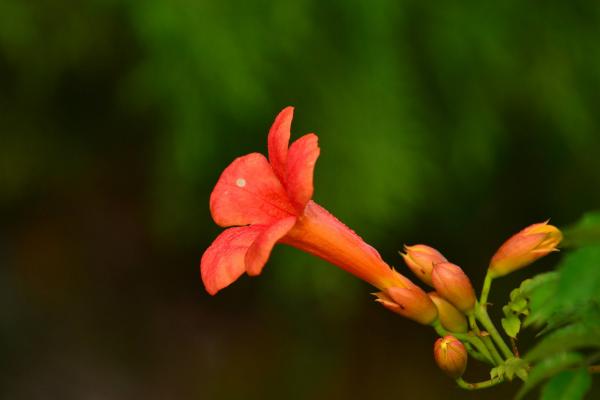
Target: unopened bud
{"x":420,"y":259}
{"x":452,"y":319}
{"x":525,"y":247}
{"x":454,"y":285}
{"x":411,"y":302}
{"x":451,"y":356}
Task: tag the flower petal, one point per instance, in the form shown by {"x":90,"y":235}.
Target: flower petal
{"x":279,"y":138}
{"x":300,"y":167}
{"x":259,"y":252}
{"x":248,"y":192}
{"x":223,"y":262}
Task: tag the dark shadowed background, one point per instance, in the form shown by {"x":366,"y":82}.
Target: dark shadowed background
{"x":450,"y":124}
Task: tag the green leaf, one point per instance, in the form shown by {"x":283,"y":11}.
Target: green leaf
{"x":585,"y":232}
{"x":576,"y":286}
{"x":568,"y":385}
{"x":559,"y":320}
{"x":522,"y":373}
{"x":579,"y":277}
{"x":538,"y":290}
{"x":547,"y":368}
{"x":515,"y":366}
{"x":541,"y":301}
{"x":581,"y":334}
{"x":529,"y":285}
{"x":497,"y":371}
{"x":514,"y":294}
{"x":519,"y":305}
{"x":568,"y":294}
{"x":511,"y":325}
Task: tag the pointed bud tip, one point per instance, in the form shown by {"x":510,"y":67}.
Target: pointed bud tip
{"x":420,"y":259}
{"x":413,"y":303}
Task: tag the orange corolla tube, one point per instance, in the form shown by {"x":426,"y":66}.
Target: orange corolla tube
{"x":264,"y":202}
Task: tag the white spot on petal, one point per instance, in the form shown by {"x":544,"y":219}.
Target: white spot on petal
{"x":240,"y":182}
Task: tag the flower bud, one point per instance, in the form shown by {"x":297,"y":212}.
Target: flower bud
{"x":411,"y":302}
{"x":525,"y":247}
{"x":454,"y":285}
{"x":451,"y":356}
{"x":420,"y":259}
{"x":451,"y":319}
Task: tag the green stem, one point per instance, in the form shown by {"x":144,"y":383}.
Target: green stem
{"x":437,"y":325}
{"x":490,"y":345}
{"x":475,"y":354}
{"x":484,"y":318}
{"x":479,"y":385}
{"x":479,"y":345}
{"x":485,"y":291}
{"x":482,"y":315}
{"x":485,"y":339}
{"x":473,"y":323}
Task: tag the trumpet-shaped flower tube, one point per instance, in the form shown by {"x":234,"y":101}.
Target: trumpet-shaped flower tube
{"x":265,"y":201}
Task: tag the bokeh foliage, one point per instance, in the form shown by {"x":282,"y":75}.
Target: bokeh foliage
{"x":451,"y":123}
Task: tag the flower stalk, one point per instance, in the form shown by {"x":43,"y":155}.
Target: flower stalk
{"x":484,"y":318}
{"x":485,"y":291}
{"x":479,"y":385}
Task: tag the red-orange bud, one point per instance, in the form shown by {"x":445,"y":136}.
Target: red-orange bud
{"x":525,"y":247}
{"x":411,"y":302}
{"x":454,"y":285}
{"x":451,"y":319}
{"x":420,"y":259}
{"x":451,"y":356}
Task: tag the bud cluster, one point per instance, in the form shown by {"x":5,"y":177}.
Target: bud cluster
{"x":452,"y":306}
{"x":449,"y":280}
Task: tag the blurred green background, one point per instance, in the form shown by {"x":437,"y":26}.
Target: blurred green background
{"x":443,"y":123}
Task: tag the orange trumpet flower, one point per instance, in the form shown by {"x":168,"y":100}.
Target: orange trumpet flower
{"x":264,"y":202}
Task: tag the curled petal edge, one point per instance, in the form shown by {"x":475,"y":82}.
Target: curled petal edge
{"x":278,"y":141}
{"x":302,"y":157}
